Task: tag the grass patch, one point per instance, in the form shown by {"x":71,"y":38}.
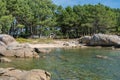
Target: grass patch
{"x":23,"y":40}
{"x":35,"y":41}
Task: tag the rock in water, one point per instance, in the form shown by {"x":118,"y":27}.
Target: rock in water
{"x":101,"y":57}
{"x":15,"y":74}
{"x":36,"y":74}
{"x":42,"y":50}
{"x":18,"y":50}
{"x":20,"y":53}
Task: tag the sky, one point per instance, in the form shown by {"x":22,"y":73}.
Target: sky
{"x":110,"y":3}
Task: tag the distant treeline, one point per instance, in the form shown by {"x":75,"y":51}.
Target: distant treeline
{"x":24,"y":18}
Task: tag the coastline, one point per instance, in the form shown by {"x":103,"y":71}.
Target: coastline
{"x":58,"y":44}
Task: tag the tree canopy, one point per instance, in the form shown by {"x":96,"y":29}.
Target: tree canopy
{"x":23,"y":18}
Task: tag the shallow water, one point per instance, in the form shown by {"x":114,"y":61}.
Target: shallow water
{"x":74,"y":64}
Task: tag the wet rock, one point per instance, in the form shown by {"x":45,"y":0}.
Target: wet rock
{"x":16,"y":74}
{"x":82,"y":46}
{"x":36,"y":75}
{"x":20,"y":53}
{"x":42,"y":50}
{"x":102,"y":57}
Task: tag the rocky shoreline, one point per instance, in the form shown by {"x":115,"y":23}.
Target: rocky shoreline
{"x":16,"y":74}
{"x":9,"y":47}
{"x":101,"y":40}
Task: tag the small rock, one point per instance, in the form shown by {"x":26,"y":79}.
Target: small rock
{"x":16,"y":74}
{"x":101,"y":57}
{"x":40,"y":50}
{"x":66,"y":44}
{"x":85,"y":39}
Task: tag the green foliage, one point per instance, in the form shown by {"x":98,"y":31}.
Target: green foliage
{"x":42,"y":17}
{"x":34,"y":41}
{"x":20,"y":26}
{"x":87,"y":20}
{"x":3,"y":9}
{"x":5,"y":23}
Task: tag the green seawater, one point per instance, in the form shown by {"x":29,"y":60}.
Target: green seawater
{"x":74,"y":64}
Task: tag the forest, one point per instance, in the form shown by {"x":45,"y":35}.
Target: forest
{"x":25,"y":18}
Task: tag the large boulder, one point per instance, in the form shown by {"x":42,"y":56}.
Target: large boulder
{"x":36,"y":74}
{"x":20,"y":53}
{"x":102,"y":40}
{"x":11,"y":48}
{"x":105,"y":40}
{"x":7,"y":39}
{"x":16,"y":74}
{"x":2,"y":44}
{"x":2,"y":48}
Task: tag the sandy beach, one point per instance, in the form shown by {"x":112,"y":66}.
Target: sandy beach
{"x":56,"y":44}
{"x":46,"y":45}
